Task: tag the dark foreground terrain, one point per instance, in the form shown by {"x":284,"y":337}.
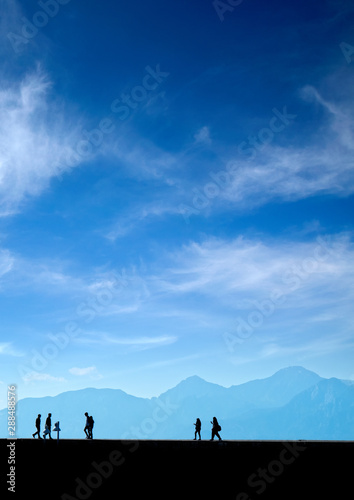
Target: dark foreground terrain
{"x":241,"y":470}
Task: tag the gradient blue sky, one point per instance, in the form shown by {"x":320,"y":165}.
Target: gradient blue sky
{"x":176,"y":192}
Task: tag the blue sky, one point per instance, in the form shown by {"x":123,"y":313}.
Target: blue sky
{"x":176,"y":192}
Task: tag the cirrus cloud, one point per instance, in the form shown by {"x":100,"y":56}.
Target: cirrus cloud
{"x":37,"y":137}
{"x":83,"y":372}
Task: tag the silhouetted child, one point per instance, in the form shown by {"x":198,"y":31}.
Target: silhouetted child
{"x":198,"y":426}
{"x":48,"y":427}
{"x":215,"y":429}
{"x":38,"y":426}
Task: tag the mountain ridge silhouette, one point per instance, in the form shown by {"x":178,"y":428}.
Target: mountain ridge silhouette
{"x":293,"y":403}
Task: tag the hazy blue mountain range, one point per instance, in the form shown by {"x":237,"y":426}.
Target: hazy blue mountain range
{"x":294,"y":403}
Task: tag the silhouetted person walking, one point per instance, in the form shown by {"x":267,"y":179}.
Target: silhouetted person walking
{"x":91,"y":423}
{"x":38,"y":426}
{"x":198,"y":426}
{"x":215,"y":429}
{"x":88,"y":426}
{"x":48,"y":427}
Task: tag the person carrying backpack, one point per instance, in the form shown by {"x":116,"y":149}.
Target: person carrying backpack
{"x":48,"y":427}
{"x":87,"y":428}
{"x":215,"y":429}
{"x":91,"y":424}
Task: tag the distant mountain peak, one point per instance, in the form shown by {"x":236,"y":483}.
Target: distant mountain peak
{"x":193,"y":386}
{"x":194,"y":379}
{"x":300,"y":370}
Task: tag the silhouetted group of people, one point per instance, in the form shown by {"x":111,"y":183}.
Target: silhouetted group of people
{"x":88,"y":429}
{"x":214,"y":430}
{"x":48,"y":426}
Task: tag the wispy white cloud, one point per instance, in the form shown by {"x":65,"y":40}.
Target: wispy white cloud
{"x":286,"y":347}
{"x":136,"y":343}
{"x":7,"y":261}
{"x":140,"y":158}
{"x":133,"y":219}
{"x":89,"y":371}
{"x":96,"y":293}
{"x":288,"y":174}
{"x":48,"y":276}
{"x":323,"y":164}
{"x":341,"y":119}
{"x":240,"y":271}
{"x":203,"y":136}
{"x":80,"y":372}
{"x":7,"y":349}
{"x":42,"y":377}
{"x":144,"y":341}
{"x":37,"y":137}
